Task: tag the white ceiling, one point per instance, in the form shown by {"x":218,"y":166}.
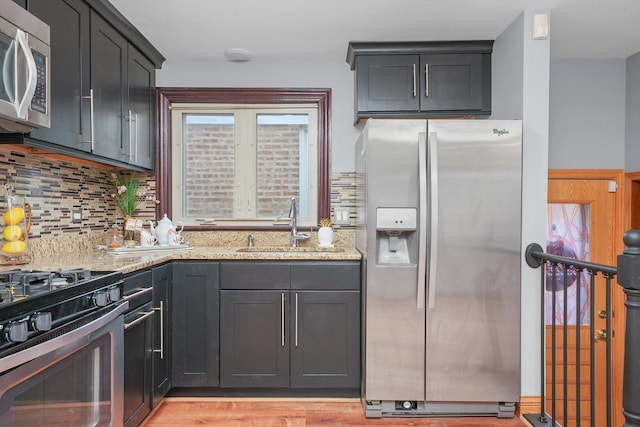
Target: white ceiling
{"x":321,"y":29}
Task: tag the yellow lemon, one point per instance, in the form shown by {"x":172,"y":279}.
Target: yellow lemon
{"x":13,"y":216}
{"x":14,"y":247}
{"x":12,"y":233}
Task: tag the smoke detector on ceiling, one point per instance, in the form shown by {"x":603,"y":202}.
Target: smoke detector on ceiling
{"x":238,"y":54}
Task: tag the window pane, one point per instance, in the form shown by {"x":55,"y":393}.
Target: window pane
{"x":568,"y":235}
{"x":209,"y":165}
{"x":282,"y":164}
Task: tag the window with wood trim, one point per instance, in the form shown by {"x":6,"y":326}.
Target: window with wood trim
{"x":233,"y":158}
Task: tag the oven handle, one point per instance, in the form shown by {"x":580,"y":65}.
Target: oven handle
{"x":138,"y":320}
{"x":31,"y":353}
{"x":137,"y":294}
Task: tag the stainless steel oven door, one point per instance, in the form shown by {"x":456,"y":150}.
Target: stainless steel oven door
{"x":73,"y":379}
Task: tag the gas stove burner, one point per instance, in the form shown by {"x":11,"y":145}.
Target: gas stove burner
{"x":72,"y":276}
{"x":17,"y":284}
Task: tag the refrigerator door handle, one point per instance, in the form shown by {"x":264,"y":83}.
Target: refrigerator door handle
{"x":422,"y":237}
{"x":432,"y":156}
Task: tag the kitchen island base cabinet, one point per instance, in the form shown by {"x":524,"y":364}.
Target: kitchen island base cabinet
{"x":299,"y":328}
{"x":195,"y":324}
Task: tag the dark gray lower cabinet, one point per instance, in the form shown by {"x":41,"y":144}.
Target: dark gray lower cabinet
{"x":326,"y":339}
{"x":254,"y":341}
{"x":138,"y":348}
{"x":299,"y":328}
{"x":161,"y":332}
{"x":195,"y":324}
{"x":137,"y":367}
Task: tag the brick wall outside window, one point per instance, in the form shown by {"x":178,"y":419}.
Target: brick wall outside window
{"x":278,"y":177}
{"x":210,"y":166}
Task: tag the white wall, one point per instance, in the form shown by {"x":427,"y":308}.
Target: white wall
{"x":520,"y":86}
{"x":520,"y":91}
{"x":308,"y":74}
{"x":587,"y":114}
{"x":632,"y":136}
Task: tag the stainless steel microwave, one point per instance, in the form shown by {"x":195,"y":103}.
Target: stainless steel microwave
{"x":25,"y":63}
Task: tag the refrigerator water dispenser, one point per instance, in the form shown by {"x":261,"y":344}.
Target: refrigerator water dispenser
{"x":394,"y":227}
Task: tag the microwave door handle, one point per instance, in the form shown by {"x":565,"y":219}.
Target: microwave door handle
{"x":9,"y":72}
{"x":32,"y":75}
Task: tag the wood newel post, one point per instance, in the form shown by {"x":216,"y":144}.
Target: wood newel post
{"x":629,"y":279}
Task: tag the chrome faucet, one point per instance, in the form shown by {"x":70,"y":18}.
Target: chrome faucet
{"x":293,"y":215}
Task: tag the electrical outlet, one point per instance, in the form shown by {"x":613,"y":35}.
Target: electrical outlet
{"x":76,"y":216}
{"x":341,"y":215}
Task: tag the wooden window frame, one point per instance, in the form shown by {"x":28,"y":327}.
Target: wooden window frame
{"x":166,"y":96}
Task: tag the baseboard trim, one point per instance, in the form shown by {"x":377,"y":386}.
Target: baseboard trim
{"x":530,"y":404}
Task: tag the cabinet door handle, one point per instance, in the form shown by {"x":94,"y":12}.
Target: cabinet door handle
{"x":426,"y":80}
{"x":135,"y":137}
{"x":282,"y":319}
{"x":91,"y":122}
{"x":161,"y":349}
{"x":130,"y":120}
{"x":415,"y":78}
{"x":296,"y":336}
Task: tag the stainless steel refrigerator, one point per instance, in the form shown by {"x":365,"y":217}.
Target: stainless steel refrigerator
{"x":439,"y":226}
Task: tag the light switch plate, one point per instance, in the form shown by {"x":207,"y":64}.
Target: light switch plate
{"x":341,"y":215}
{"x":76,"y":216}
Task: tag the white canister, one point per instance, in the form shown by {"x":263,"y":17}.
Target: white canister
{"x":325,"y":236}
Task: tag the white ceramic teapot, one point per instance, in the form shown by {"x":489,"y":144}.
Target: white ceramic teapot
{"x":161,"y":231}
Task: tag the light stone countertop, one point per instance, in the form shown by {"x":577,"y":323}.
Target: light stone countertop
{"x":64,"y":253}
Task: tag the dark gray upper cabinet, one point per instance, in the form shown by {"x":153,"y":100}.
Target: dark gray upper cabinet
{"x":70,"y":106}
{"x":421,"y":79}
{"x":141,"y":83}
{"x":109,"y":85}
{"x":102,"y":85}
{"x":123,"y":83}
{"x":194,"y":314}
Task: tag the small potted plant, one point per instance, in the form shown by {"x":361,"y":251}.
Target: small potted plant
{"x":325,"y":233}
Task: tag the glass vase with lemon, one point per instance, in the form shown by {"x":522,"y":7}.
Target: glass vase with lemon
{"x":16,"y":222}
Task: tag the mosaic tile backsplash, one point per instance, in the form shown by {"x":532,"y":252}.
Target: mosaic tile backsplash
{"x":56,"y":188}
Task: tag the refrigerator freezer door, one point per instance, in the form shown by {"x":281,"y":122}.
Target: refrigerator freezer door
{"x":473,"y":320}
{"x":393,"y":323}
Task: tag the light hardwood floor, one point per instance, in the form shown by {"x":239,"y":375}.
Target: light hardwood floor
{"x":239,"y":412}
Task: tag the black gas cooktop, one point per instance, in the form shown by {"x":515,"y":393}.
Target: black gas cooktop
{"x":36,"y":304}
{"x":26,"y":290}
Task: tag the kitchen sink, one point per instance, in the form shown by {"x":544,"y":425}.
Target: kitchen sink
{"x":290,"y":249}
